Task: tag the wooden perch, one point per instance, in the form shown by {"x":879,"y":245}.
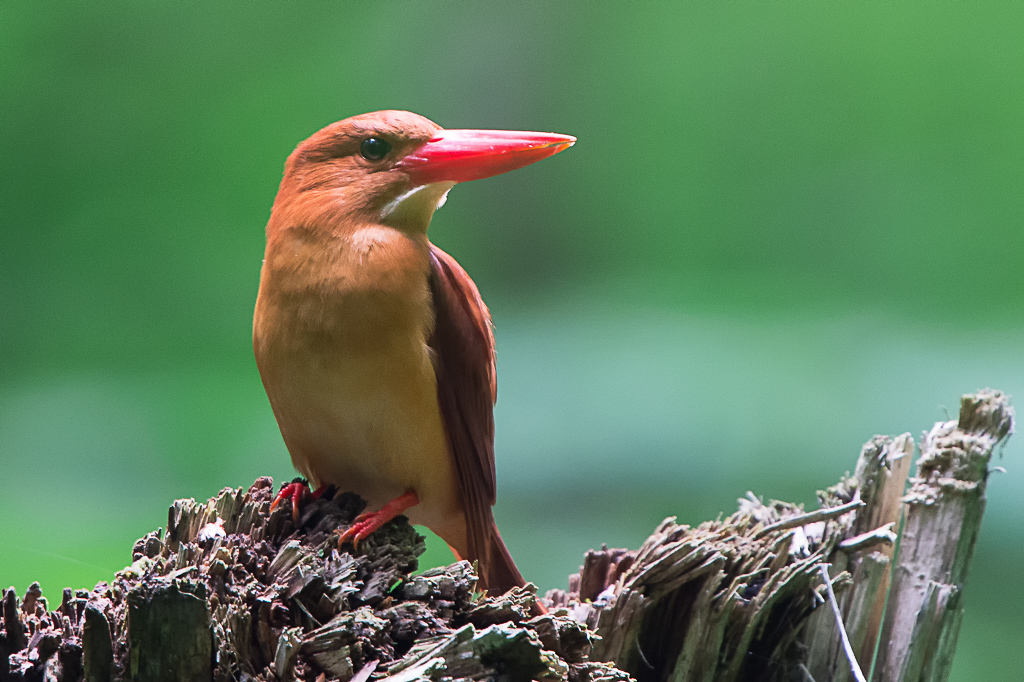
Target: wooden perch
{"x":731,"y":600}
{"x":233,"y":592}
{"x":943,"y":516}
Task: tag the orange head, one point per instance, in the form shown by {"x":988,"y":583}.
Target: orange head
{"x":394,"y":168}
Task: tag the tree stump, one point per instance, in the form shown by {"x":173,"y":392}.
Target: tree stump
{"x":232,"y":591}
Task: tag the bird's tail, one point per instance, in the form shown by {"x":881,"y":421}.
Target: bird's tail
{"x":498,"y":572}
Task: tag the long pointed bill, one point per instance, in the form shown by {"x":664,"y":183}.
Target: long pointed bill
{"x":463,"y":155}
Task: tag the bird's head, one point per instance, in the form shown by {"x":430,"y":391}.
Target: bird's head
{"x":394,"y":168}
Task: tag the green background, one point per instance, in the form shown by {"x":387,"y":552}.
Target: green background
{"x":785,"y":227}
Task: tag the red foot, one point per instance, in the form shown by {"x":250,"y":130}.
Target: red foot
{"x":366,"y":523}
{"x":296,"y":490}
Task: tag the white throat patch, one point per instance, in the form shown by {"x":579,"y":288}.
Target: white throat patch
{"x":416,"y":206}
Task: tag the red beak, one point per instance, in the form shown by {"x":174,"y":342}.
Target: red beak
{"x":463,"y":155}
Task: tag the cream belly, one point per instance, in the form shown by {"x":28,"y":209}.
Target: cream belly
{"x":370,"y":425}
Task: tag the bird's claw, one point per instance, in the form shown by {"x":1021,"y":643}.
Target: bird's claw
{"x":362,"y":527}
{"x":368,"y":522}
{"x":294,"y":491}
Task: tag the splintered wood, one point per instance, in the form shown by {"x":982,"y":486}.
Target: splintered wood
{"x":944,"y":506}
{"x":234,"y":592}
{"x":740,"y":598}
{"x":722,"y":601}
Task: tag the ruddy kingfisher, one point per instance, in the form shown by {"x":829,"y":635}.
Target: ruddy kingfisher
{"x":374,"y":346}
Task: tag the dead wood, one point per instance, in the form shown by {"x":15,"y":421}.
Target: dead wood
{"x":231,"y":591}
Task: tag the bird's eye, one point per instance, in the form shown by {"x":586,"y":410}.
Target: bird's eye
{"x":374,"y":148}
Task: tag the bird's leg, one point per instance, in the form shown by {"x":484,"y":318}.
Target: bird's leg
{"x":368,"y":522}
{"x":295,"y":491}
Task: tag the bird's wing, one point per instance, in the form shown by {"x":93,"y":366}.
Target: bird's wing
{"x":463,"y":346}
{"x":463,"y":349}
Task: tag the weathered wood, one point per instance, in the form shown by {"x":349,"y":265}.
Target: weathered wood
{"x":944,"y":506}
{"x":169,"y":637}
{"x":878,"y":481}
{"x":97,"y":646}
{"x":724,"y":601}
{"x":851,"y":657}
{"x":732,"y":600}
{"x":234,"y":592}
{"x":884,"y":479}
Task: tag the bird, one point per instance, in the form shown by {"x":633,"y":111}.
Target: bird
{"x":374,"y":346}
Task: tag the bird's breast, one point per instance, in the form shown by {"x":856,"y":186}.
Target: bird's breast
{"x":340,"y":335}
{"x":325,"y":293}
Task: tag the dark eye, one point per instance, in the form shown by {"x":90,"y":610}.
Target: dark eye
{"x":374,"y":148}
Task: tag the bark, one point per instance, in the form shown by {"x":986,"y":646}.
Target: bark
{"x":232,"y":591}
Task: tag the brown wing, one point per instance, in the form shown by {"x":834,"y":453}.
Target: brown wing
{"x":463,"y":346}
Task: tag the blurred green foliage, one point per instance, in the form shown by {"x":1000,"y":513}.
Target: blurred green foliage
{"x":786,"y":226}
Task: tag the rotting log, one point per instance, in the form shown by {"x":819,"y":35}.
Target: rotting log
{"x":232,"y":591}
